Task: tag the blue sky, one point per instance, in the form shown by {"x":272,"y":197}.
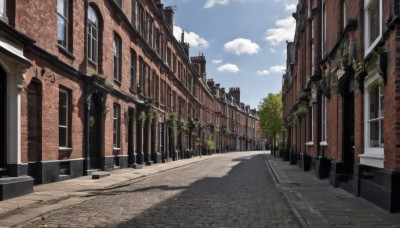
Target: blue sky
{"x":244,"y":41}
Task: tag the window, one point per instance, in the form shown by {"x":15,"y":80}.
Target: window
{"x":375,"y":116}
{"x":93,"y":34}
{"x":116,"y":127}
{"x":3,"y":15}
{"x":373,"y":123}
{"x":312,"y":47}
{"x":117,"y":58}
{"x":373,"y":23}
{"x":323,"y":121}
{"x":133,"y":69}
{"x":142,"y":20}
{"x":63,"y":118}
{"x":62,"y":23}
{"x":133,"y":13}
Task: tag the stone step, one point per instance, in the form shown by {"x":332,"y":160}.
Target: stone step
{"x":98,"y":175}
{"x":137,"y":166}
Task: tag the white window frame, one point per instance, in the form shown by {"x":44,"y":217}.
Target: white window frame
{"x":369,"y":46}
{"x":66,"y":126}
{"x":133,"y":13}
{"x":372,"y":156}
{"x":93,"y":42}
{"x":117,"y":48}
{"x":116,"y":127}
{"x":64,"y":17}
{"x":3,"y":15}
{"x":324,"y":137}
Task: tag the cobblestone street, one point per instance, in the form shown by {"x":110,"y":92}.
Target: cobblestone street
{"x":234,"y":190}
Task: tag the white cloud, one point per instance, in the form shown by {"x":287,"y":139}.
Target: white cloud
{"x":192,"y":38}
{"x":212,"y":3}
{"x":241,"y":46}
{"x":272,"y":70}
{"x":228,"y":68}
{"x":272,"y":50}
{"x":290,"y":7}
{"x":217,"y":61}
{"x":284,"y":30}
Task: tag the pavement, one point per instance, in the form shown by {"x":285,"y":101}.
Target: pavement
{"x":314,"y":202}
{"x":317,"y":204}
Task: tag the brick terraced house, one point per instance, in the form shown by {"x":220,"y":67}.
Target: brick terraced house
{"x":341,"y":96}
{"x":90,"y":85}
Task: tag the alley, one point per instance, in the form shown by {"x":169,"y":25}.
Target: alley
{"x":233,"y":190}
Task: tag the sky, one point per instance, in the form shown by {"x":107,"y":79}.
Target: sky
{"x":244,"y":41}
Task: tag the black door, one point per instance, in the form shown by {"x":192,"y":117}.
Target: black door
{"x":348,"y":133}
{"x":95,"y":132}
{"x":3,"y":120}
{"x":131,"y":147}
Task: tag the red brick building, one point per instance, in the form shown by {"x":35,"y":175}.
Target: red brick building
{"x":102,"y":84}
{"x":341,"y":94}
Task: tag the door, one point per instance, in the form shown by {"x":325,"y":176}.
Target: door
{"x":131,"y":147}
{"x":3,"y":121}
{"x":348,"y":133}
{"x":95,"y":132}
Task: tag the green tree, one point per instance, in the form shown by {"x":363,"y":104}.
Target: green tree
{"x":270,"y":113}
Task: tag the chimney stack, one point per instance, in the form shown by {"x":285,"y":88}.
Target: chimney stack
{"x":235,"y":93}
{"x":200,"y":63}
{"x":185,"y":46}
{"x":169,"y":16}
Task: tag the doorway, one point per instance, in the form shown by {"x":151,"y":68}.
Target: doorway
{"x":95,"y":131}
{"x":348,"y":133}
{"x":131,"y":146}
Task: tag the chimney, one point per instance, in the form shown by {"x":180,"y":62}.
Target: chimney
{"x":169,"y":16}
{"x":200,"y":61}
{"x":235,"y":93}
{"x":160,"y":7}
{"x":185,"y":46}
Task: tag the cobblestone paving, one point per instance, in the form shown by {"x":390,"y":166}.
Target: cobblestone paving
{"x":235,"y":190}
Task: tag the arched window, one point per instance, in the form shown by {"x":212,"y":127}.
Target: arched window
{"x":93,"y":35}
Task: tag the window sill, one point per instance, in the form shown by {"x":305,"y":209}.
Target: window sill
{"x":374,"y":160}
{"x":117,"y":82}
{"x":132,"y":90}
{"x":323,"y":143}
{"x":91,"y":62}
{"x":66,"y":52}
{"x":65,"y":148}
{"x":310,"y":143}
